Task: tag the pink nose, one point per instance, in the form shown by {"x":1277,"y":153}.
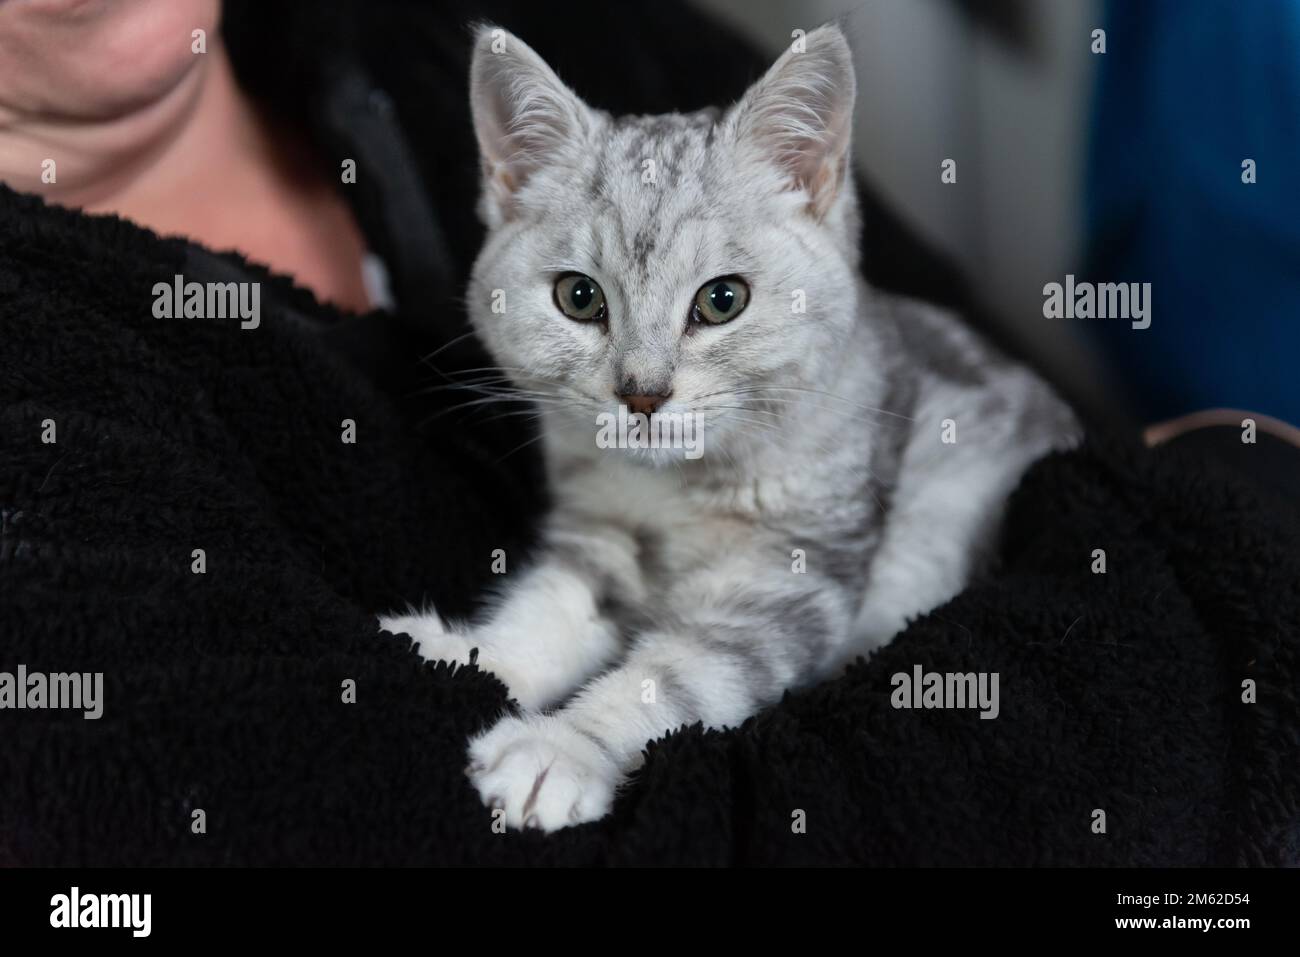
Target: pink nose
{"x":644,"y":404}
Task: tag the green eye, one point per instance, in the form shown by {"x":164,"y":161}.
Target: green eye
{"x":720,"y":300}
{"x":579,"y":297}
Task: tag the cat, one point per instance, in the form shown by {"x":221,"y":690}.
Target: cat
{"x":857,"y":448}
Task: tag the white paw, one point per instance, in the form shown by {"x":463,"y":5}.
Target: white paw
{"x":542,"y":773}
{"x":432,"y":639}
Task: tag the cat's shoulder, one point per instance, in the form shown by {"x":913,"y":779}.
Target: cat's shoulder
{"x":959,"y":373}
{"x":938,"y":341}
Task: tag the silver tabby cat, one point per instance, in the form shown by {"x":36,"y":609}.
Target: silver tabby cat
{"x":857,"y":447}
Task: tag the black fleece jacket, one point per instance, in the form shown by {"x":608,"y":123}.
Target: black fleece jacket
{"x":224,"y":690}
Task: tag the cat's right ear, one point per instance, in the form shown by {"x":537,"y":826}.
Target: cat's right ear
{"x":525,"y":118}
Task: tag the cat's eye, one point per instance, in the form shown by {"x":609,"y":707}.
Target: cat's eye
{"x":720,"y":300}
{"x":579,"y":297}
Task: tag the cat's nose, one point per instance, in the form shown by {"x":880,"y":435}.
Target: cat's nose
{"x":643,"y":404}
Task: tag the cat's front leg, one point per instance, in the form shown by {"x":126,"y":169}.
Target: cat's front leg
{"x":544,"y":772}
{"x":719,"y":667}
{"x":550,"y":632}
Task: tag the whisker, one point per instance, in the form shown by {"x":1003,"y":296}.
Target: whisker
{"x":445,"y":346}
{"x":763,"y":394}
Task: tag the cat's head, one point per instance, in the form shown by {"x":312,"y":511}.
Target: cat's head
{"x":697,"y":264}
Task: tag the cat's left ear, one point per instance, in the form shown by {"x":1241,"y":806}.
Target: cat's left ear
{"x":800,"y":113}
{"x":525,"y":118}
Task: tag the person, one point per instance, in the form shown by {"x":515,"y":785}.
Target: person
{"x":177,"y":508}
{"x":108,"y":108}
{"x":136,"y":110}
{"x":210,"y":513}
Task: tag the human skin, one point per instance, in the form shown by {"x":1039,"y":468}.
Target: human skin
{"x":140,"y":125}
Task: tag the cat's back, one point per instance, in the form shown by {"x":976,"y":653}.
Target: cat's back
{"x":959,"y":382}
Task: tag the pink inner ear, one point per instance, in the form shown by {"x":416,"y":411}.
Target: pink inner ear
{"x":524,"y":118}
{"x":800,"y":114}
{"x":819,"y":167}
{"x":505,"y":179}
{"x":825,"y":184}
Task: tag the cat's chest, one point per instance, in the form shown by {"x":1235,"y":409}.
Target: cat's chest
{"x":683,"y":523}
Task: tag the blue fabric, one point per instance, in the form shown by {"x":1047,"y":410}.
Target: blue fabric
{"x":1186,"y":92}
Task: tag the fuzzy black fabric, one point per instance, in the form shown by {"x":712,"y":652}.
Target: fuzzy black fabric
{"x":223,"y":691}
{"x":1120,"y":691}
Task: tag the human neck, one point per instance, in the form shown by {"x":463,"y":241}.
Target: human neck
{"x":91,"y":163}
{"x":201,"y":163}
